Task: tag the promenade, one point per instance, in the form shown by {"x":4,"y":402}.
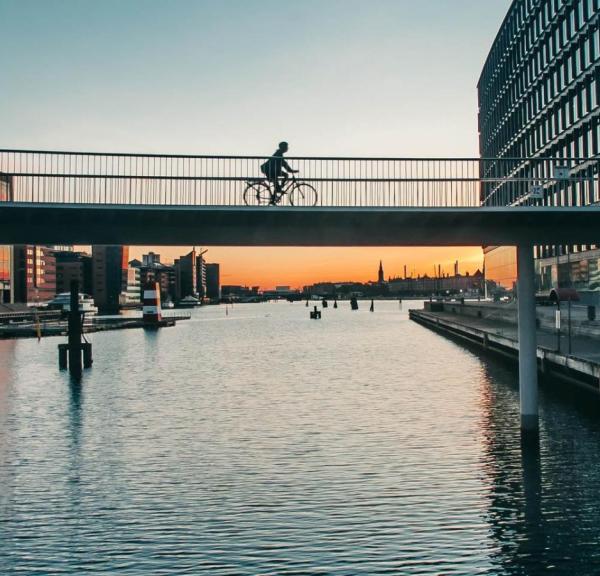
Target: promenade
{"x":492,"y":328}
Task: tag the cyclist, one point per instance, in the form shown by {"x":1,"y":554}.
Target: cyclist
{"x":273,"y":169}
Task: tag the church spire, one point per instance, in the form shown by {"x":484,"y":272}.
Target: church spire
{"x":380,"y":275}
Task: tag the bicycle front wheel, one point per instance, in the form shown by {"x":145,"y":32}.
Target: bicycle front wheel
{"x":257,"y":194}
{"x":303,"y":195}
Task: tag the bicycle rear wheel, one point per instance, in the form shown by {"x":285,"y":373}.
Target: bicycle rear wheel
{"x":257,"y":194}
{"x":303,"y":194}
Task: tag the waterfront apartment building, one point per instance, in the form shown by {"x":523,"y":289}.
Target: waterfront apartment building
{"x":34,"y":274}
{"x":539,"y":97}
{"x":153,"y":270}
{"x":131,"y":295}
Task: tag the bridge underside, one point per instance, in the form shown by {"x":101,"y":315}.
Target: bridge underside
{"x":276,"y":226}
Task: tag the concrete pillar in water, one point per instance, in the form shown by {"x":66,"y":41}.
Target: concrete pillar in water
{"x":528,"y":381}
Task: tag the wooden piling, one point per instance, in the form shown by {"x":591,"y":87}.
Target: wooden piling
{"x":75,"y":329}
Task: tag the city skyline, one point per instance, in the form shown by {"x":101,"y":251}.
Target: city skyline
{"x":194,"y":88}
{"x":319,"y":264}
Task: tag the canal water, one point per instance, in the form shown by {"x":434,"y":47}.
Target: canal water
{"x":262,"y":442}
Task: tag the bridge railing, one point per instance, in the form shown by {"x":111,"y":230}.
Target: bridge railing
{"x":185,"y":180}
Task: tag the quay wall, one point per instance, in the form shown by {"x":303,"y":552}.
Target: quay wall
{"x":580,"y":372}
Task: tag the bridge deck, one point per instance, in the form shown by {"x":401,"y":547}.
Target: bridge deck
{"x":282,"y":226}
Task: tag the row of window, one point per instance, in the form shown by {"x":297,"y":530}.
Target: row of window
{"x":525,"y":24}
{"x":522,"y":138}
{"x":517,"y":72}
{"x":524,"y":98}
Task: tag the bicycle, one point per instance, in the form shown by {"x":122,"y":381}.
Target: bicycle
{"x":260,"y":192}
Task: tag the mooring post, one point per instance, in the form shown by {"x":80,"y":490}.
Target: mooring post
{"x":528,"y":381}
{"x":75,"y":331}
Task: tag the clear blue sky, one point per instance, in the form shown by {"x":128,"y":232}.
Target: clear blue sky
{"x":380,"y":77}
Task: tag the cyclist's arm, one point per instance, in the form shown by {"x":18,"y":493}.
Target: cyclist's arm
{"x":289,"y":168}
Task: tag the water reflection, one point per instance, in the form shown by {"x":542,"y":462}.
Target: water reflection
{"x":532,"y":499}
{"x":75,"y":410}
{"x":266,"y":443}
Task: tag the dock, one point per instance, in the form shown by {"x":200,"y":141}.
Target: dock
{"x":94,"y":324}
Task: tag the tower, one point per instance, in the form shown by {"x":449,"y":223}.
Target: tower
{"x":380,"y":274}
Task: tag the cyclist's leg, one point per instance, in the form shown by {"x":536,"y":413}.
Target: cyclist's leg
{"x":277,"y":191}
{"x":284,"y":178}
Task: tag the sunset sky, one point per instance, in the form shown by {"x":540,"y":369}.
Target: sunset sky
{"x":332,"y":77}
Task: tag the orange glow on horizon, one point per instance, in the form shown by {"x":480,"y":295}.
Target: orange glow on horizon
{"x":297,"y":267}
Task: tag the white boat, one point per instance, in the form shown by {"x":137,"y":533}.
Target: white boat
{"x":63,"y":302}
{"x":189,"y":302}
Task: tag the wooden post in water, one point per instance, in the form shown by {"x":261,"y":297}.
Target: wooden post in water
{"x":69,"y":354}
{"x":75,"y":330}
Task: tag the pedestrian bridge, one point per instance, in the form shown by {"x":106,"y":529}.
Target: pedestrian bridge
{"x":82,"y":198}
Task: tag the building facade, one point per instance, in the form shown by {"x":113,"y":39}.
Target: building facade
{"x":109,"y":270}
{"x":74,"y":266}
{"x":5,"y":188}
{"x":34,"y":274}
{"x":213,"y":281}
{"x":130,"y":288}
{"x":152,"y":270}
{"x":6,"y":274}
{"x":539,"y":97}
{"x":186,"y":275}
{"x":201,"y":276}
{"x":427,"y":285}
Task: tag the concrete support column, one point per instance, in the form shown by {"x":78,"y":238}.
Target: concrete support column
{"x":528,"y":383}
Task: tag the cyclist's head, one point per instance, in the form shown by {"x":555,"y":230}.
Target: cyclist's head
{"x":283,"y":146}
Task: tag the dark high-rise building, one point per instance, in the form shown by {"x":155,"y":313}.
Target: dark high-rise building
{"x":6,"y":274}
{"x":539,"y":97}
{"x":186,"y":278}
{"x":213,"y":281}
{"x":34,"y":270}
{"x":74,"y":266}
{"x":109,"y":270}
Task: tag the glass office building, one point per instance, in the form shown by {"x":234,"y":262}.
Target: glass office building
{"x":539,"y":96}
